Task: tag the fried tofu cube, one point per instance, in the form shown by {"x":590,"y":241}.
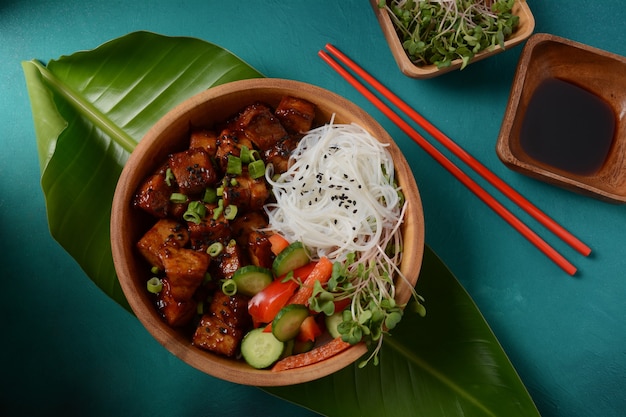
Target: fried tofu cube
{"x":230,"y":143}
{"x":175,"y":313}
{"x":295,"y":114}
{"x":259,"y":124}
{"x":193,"y":170}
{"x":209,"y":229}
{"x":278,"y":155}
{"x":231,"y":259}
{"x":246,"y":192}
{"x":246,"y":223}
{"x":214,"y":335}
{"x":204,"y":139}
{"x":231,"y":309}
{"x":185,"y":269}
{"x":165,"y":232}
{"x":260,"y":249}
{"x":153,"y":196}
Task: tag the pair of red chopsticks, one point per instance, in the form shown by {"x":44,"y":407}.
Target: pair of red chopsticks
{"x":509,"y":217}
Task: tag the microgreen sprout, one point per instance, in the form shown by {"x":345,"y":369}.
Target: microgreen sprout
{"x":438,"y":32}
{"x":373,"y":310}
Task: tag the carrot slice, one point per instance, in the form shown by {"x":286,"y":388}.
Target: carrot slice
{"x":278,"y":243}
{"x":322,"y":273}
{"x":316,"y":355}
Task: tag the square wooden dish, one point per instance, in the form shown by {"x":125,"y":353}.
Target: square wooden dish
{"x":599,"y":72}
{"x":407,"y":67}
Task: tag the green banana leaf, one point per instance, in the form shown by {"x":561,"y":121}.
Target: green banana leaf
{"x":89,"y":111}
{"x":447,"y":363}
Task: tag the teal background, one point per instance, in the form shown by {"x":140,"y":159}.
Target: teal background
{"x":67,"y":348}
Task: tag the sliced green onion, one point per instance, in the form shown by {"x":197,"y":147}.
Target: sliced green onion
{"x":245,"y":155}
{"x":230,"y":212}
{"x":233,"y":182}
{"x":200,"y":308}
{"x":254,"y":155}
{"x":219,"y":191}
{"x":169,"y":176}
{"x":195,"y":212}
{"x":155,"y":270}
{"x":229,"y":287}
{"x":178,"y":198}
{"x":215,"y":249}
{"x":210,"y":195}
{"x":154,"y":285}
{"x":256,"y":169}
{"x":233,"y":166}
{"x":217,"y":211}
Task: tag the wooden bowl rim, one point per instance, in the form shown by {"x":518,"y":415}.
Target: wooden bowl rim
{"x":123,"y":243}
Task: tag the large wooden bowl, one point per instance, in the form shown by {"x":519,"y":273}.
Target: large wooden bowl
{"x":170,"y":135}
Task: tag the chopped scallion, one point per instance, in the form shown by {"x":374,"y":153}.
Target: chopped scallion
{"x":245,"y":155}
{"x":169,"y":176}
{"x":230,"y":212}
{"x":210,"y":195}
{"x":195,"y":212}
{"x":154,"y":285}
{"x":233,"y":166}
{"x":256,"y":169}
{"x":229,"y":287}
{"x":178,"y":198}
{"x":217,"y":211}
{"x":215,"y":249}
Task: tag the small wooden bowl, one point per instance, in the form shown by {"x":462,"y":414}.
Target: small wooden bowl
{"x":600,"y":73}
{"x":407,"y":67}
{"x":169,"y":135}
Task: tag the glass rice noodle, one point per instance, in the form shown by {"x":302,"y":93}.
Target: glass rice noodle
{"x":339,"y":196}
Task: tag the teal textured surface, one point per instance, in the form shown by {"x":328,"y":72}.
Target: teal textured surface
{"x":69,"y":349}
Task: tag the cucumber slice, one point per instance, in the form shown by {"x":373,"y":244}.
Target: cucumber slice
{"x":251,"y":279}
{"x":287,"y":322}
{"x":332,"y":322}
{"x":261,"y":349}
{"x":292,"y":257}
{"x":302,"y":346}
{"x":289,"y":346}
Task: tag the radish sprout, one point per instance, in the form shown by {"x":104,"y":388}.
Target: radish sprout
{"x":437,"y":32}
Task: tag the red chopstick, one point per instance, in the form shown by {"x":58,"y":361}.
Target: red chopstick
{"x":445,"y":162}
{"x":494,"y":180}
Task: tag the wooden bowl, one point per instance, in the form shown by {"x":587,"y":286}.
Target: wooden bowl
{"x":170,"y":135}
{"x":407,"y":67}
{"x":600,"y":73}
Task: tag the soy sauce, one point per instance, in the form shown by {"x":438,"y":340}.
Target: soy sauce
{"x":567,"y":127}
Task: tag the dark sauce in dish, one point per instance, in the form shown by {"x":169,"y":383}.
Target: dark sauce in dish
{"x":567,"y":127}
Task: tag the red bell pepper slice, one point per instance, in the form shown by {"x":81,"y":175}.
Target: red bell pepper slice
{"x":264,"y":306}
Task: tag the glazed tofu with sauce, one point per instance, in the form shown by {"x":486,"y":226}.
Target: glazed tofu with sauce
{"x":204,"y":139}
{"x":193,"y":170}
{"x":261,"y":126}
{"x":175,"y":313}
{"x":222,"y":328}
{"x":165,"y":232}
{"x":153,"y":196}
{"x":295,"y":114}
{"x":185,"y":269}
